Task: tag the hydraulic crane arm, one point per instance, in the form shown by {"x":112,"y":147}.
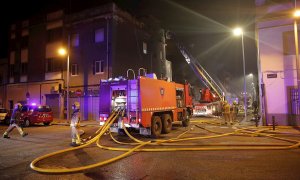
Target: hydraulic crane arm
{"x":199,"y":70}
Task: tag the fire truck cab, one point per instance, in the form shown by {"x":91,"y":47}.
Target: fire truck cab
{"x":151,"y":105}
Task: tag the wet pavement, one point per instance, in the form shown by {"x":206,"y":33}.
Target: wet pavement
{"x":17,"y":153}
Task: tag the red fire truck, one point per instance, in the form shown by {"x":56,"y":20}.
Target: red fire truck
{"x":208,"y":104}
{"x":151,"y":105}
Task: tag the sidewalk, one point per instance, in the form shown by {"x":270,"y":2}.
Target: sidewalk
{"x":246,"y":121}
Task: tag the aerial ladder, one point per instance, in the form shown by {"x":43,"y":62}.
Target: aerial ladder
{"x":201,"y":73}
{"x":206,"y":106}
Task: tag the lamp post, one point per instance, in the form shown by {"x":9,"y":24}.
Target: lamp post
{"x":296,"y":16}
{"x":239,"y":32}
{"x":63,"y":52}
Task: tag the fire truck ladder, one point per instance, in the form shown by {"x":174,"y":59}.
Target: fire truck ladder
{"x":200,"y":71}
{"x":132,"y":95}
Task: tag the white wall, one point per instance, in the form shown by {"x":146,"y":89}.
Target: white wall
{"x":273,"y":61}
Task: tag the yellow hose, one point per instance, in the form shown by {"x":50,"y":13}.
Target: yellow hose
{"x":263,"y":132}
{"x":101,"y":132}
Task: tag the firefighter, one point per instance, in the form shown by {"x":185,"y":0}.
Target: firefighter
{"x":234,"y":111}
{"x":75,"y":124}
{"x":226,"y":108}
{"x":14,"y":122}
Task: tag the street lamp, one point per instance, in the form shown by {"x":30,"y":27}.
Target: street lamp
{"x":296,"y":17}
{"x":239,"y":32}
{"x":63,"y":52}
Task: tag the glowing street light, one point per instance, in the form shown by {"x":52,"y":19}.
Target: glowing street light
{"x":297,"y":13}
{"x":239,"y":32}
{"x":63,"y":52}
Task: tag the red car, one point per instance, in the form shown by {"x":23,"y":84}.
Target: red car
{"x":32,"y":114}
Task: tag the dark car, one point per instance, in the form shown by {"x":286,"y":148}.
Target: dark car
{"x":33,"y":114}
{"x":4,"y":116}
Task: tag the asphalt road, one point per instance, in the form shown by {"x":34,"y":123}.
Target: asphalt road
{"x":17,"y":153}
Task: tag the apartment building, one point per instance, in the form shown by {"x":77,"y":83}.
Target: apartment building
{"x":3,"y":80}
{"x":103,"y":42}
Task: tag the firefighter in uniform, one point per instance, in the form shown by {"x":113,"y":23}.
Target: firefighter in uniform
{"x":234,"y":111}
{"x":14,"y":122}
{"x":75,"y":124}
{"x":227,"y":112}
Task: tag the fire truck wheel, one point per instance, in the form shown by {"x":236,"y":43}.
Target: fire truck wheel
{"x":156,"y":126}
{"x":46,"y":123}
{"x":166,"y":123}
{"x":186,"y":120}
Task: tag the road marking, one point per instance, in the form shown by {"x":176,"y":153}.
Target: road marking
{"x":224,"y":127}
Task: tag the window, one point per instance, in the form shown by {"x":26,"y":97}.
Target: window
{"x":75,"y":40}
{"x":25,"y":32}
{"x":179,"y":98}
{"x":53,"y":65}
{"x":24,"y":55}
{"x":42,"y":109}
{"x":11,"y":70}
{"x":99,"y":67}
{"x":144,"y":48}
{"x":24,"y":42}
{"x":99,"y":35}
{"x":54,"y":34}
{"x":74,"y":70}
{"x":23,"y":68}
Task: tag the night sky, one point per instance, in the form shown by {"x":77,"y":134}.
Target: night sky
{"x":205,"y":28}
{"x":202,"y":25}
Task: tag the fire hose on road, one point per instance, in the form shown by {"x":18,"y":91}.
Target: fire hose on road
{"x":138,"y":145}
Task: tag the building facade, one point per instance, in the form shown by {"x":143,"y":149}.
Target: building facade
{"x":277,"y":61}
{"x":103,"y":42}
{"x":3,"y":81}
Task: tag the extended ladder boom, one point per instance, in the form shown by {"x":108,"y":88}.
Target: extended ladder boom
{"x":200,"y":71}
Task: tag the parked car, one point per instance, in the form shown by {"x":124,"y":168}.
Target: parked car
{"x":33,"y":114}
{"x":4,"y":116}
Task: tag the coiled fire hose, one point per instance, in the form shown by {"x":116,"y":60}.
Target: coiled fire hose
{"x":138,"y":145}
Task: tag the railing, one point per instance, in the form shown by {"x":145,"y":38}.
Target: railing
{"x":294,"y":96}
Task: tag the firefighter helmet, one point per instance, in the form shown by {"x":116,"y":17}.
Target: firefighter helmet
{"x":76,"y":105}
{"x":17,"y":105}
